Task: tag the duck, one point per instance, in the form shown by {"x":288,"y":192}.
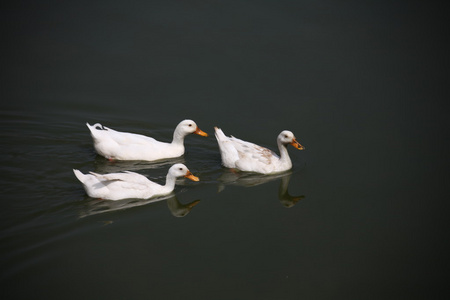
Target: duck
{"x":116,"y":145}
{"x":249,"y":157}
{"x":127,"y":184}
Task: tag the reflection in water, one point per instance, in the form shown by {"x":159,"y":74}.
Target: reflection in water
{"x":283,"y":194}
{"x":96,"y":206}
{"x":104,"y":166}
{"x":180,"y":210}
{"x":252,"y":179}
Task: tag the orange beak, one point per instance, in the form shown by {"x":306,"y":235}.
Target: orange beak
{"x":297,"y":144}
{"x":191,"y":176}
{"x":191,"y":205}
{"x":200,"y":132}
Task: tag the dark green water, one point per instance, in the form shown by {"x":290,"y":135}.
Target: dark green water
{"x":362,"y":214}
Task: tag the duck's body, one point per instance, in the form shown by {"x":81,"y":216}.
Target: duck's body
{"x":116,"y":145}
{"x":117,"y":186}
{"x":249,"y":157}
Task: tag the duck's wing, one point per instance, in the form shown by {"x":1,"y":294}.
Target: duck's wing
{"x":103,"y":133}
{"x":127,"y":138}
{"x":126,"y":180}
{"x":252,"y":152}
{"x":244,"y":155}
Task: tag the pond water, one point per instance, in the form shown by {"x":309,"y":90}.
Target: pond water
{"x":360,"y":215}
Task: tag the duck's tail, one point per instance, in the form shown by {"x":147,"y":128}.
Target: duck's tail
{"x":96,"y":126}
{"x":220,"y":136}
{"x":81,"y":177}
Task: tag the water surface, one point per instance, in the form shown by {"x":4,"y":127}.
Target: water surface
{"x":361,"y":214}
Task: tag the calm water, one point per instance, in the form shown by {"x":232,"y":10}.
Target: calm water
{"x":361,"y":215}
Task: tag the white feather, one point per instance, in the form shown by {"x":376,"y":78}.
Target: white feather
{"x":118,"y":145}
{"x":117,"y":186}
{"x":249,"y":157}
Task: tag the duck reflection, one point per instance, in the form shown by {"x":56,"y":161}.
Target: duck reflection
{"x":283,"y":194}
{"x":252,"y":179}
{"x":96,"y":206}
{"x":178,"y":209}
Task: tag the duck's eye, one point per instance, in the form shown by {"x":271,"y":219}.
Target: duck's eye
{"x":190,"y":125}
{"x":285,"y":136}
{"x":181,"y":169}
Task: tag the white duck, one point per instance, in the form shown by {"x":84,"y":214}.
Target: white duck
{"x":117,"y":186}
{"x":116,"y":145}
{"x":249,"y":157}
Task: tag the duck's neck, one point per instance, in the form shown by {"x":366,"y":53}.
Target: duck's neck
{"x":284,"y":155}
{"x":170,"y":182}
{"x":178,"y":137}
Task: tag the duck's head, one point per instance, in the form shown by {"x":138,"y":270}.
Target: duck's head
{"x":287,"y":137}
{"x":180,"y":170}
{"x":188,"y":126}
